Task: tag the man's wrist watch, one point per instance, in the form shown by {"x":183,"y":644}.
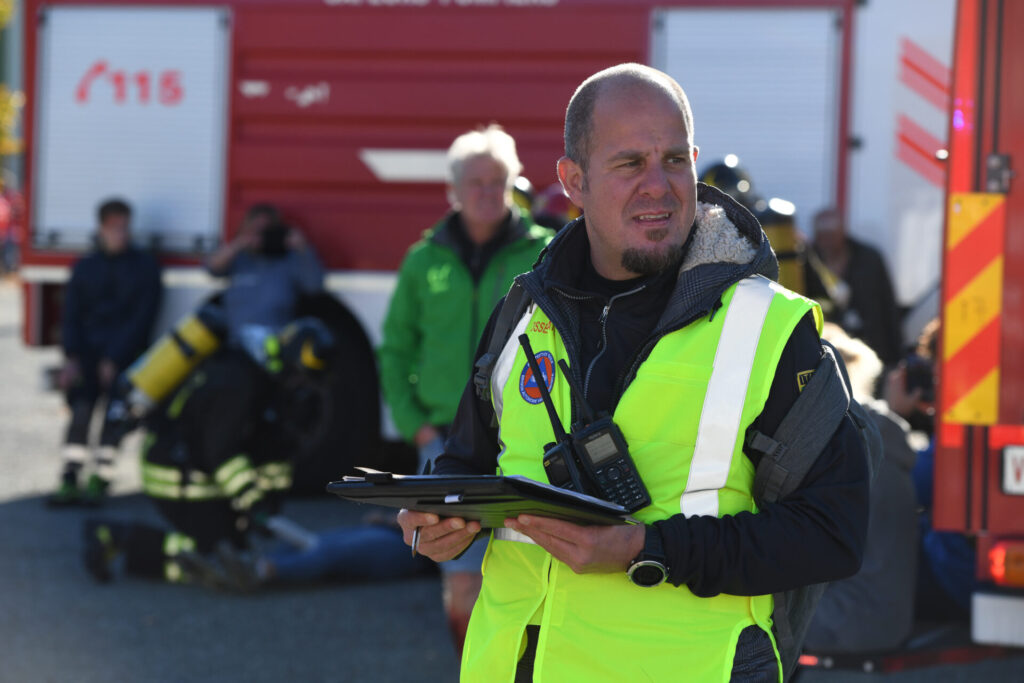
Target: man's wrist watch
{"x":650,"y":567}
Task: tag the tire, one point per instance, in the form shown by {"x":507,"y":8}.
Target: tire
{"x":342,"y":427}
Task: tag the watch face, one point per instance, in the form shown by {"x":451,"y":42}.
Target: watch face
{"x":647,"y":574}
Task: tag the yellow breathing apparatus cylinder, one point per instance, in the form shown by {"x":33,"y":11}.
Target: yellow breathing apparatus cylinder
{"x":172,"y":357}
{"x":780,"y":229}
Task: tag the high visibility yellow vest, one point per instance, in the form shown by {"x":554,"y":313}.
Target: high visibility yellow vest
{"x":684,"y":417}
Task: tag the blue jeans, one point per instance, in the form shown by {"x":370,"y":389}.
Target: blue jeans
{"x":364,"y":553}
{"x":429,"y":451}
{"x":470,"y":560}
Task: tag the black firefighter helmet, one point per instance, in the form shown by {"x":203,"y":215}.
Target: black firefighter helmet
{"x":728,"y":176}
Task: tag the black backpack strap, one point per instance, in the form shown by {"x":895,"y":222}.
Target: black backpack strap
{"x":791,"y":618}
{"x":786,"y":458}
{"x":807,"y":428}
{"x":512,"y":309}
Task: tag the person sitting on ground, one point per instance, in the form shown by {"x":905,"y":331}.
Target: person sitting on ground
{"x":873,"y":610}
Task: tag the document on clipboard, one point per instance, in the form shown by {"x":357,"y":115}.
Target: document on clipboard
{"x":489,"y":499}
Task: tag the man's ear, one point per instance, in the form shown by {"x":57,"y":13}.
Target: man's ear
{"x":571,"y":176}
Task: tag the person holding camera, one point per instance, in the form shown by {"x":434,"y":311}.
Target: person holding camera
{"x":660,"y":300}
{"x":269,"y":266}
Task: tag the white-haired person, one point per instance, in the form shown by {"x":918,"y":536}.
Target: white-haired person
{"x":448,"y":283}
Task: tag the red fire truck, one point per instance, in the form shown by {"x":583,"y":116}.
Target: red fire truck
{"x":339,"y":111}
{"x":979,"y":466}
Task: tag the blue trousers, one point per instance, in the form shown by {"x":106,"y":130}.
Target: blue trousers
{"x":364,"y":553}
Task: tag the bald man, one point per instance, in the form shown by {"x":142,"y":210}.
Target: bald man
{"x":660,"y":299}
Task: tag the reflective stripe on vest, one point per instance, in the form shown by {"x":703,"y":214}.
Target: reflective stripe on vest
{"x":723,"y":403}
{"x":599,"y":626}
{"x":503,"y":367}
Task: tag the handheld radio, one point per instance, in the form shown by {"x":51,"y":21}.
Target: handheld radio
{"x":604,"y":453}
{"x":559,"y":460}
{"x":596,"y":446}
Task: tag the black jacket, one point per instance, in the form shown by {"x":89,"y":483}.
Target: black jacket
{"x":110,"y":305}
{"x":815,"y":535}
{"x":872,"y":313}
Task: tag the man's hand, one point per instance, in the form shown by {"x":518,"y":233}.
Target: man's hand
{"x":424,"y":435}
{"x":902,"y":402}
{"x":70,"y":373}
{"x":586,"y":549}
{"x":295,"y":240}
{"x":245,"y":240}
{"x":106,"y":372}
{"x":440,"y":539}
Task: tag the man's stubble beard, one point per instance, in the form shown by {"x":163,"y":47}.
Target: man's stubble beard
{"x":651,"y":261}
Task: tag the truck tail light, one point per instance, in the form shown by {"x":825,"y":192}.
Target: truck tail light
{"x":1006,"y":563}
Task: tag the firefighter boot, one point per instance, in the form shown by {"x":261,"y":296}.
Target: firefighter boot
{"x":95,"y":492}
{"x":98,"y":484}
{"x":240,"y":568}
{"x":67,"y":492}
{"x":102,"y":545}
{"x":203,"y":570}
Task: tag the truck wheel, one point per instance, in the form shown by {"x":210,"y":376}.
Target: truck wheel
{"x":343,"y":427}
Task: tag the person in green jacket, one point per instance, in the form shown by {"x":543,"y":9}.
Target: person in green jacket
{"x":448,"y":284}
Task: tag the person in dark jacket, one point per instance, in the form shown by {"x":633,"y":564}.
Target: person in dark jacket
{"x":110,"y":305}
{"x":660,"y":300}
{"x":850,"y":280}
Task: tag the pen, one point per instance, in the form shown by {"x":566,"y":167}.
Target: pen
{"x":416,"y":532}
{"x":415,"y":540}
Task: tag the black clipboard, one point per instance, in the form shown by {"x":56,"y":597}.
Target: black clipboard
{"x":489,"y":499}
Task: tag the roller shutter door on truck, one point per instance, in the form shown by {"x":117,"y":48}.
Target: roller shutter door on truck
{"x":763,"y":85}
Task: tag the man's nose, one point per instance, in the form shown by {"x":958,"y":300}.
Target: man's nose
{"x":654,"y":181}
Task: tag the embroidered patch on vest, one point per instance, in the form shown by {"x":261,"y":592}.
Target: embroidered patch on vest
{"x":802,"y":378}
{"x":528,"y":387}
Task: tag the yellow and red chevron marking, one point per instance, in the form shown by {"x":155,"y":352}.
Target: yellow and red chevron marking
{"x":972,"y":308}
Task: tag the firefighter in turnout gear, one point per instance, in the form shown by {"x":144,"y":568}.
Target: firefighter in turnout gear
{"x":214,"y":460}
{"x":775,"y":216}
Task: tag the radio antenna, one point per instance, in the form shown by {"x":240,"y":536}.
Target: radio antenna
{"x":542,"y":386}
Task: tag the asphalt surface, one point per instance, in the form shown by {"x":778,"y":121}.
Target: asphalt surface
{"x":57,"y":625}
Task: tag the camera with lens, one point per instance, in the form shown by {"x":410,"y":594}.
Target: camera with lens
{"x":274,"y":239}
{"x":920,"y":375}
